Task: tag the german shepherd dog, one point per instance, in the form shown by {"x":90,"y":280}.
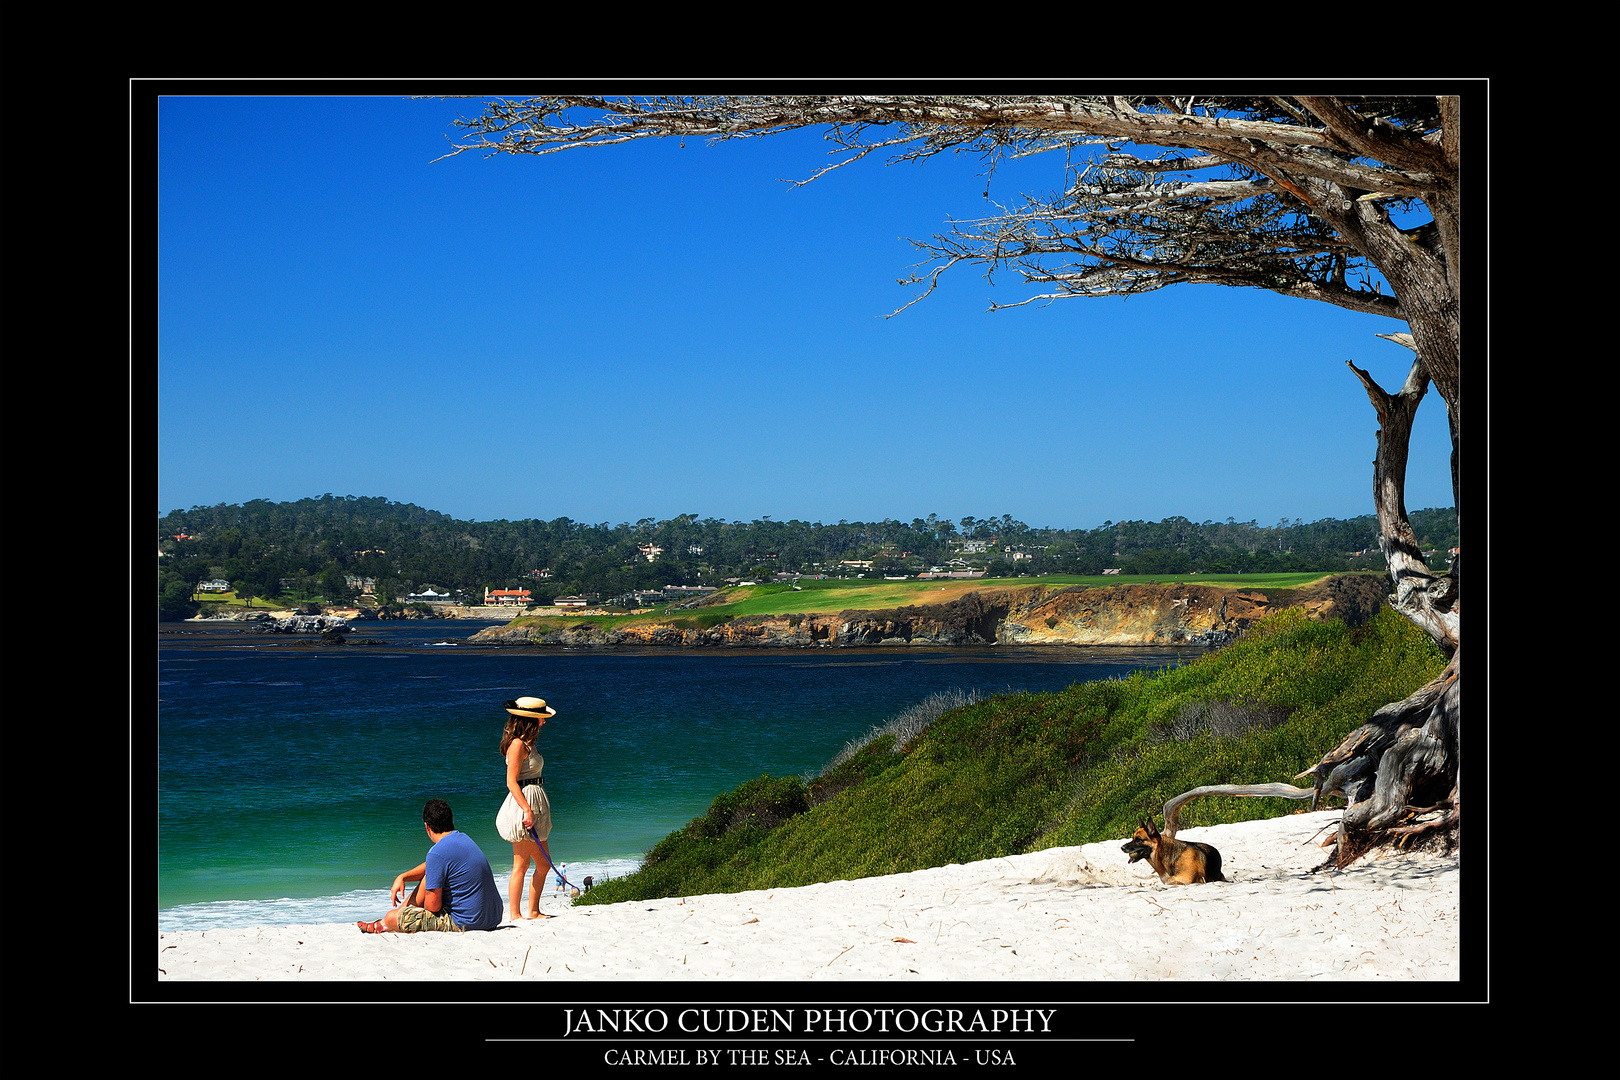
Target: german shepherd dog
{"x":1177,"y":862}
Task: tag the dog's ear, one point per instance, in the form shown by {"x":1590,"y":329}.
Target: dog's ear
{"x":1153,"y":830}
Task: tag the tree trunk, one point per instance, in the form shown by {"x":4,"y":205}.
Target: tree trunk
{"x":1401,"y":771}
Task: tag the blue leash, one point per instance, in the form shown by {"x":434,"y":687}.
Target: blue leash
{"x":541,"y":844}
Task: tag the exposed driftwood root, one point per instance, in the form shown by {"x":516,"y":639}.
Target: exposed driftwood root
{"x":1172,"y":809}
{"x":1400,"y":771}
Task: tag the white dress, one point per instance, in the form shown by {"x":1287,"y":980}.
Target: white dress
{"x":509,"y":822}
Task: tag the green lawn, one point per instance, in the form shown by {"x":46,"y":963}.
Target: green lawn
{"x":866,"y":594}
{"x":230,"y":599}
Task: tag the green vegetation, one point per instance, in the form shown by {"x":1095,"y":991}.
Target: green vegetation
{"x":313,"y":547}
{"x":230,"y":599}
{"x":867,"y":595}
{"x":1024,"y":772}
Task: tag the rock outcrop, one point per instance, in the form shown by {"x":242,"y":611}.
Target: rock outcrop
{"x":1178,"y":614}
{"x":302,"y":624}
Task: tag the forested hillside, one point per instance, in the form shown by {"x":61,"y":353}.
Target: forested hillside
{"x":308,"y":549}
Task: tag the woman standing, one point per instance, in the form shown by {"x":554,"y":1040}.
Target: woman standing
{"x":526,"y":804}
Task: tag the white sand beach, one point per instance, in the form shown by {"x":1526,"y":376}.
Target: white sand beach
{"x":1066,"y":913}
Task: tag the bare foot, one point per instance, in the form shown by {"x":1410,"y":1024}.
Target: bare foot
{"x":538,"y":915}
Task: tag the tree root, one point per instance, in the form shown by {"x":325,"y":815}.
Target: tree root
{"x":1172,"y":809}
{"x":1400,"y":770}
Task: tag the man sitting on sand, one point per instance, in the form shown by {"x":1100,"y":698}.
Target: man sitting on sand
{"x":455,"y":888}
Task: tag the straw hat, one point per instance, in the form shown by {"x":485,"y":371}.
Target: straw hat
{"x":532,"y":707}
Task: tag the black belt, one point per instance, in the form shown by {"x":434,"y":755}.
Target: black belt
{"x":532,"y":780}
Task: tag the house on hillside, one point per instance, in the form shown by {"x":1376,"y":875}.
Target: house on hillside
{"x":513,"y":597}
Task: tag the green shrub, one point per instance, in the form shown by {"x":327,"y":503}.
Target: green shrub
{"x":762,"y":803}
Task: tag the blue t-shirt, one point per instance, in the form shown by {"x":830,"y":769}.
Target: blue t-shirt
{"x":457,"y":865}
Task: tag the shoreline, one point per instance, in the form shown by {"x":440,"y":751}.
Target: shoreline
{"x":1063,"y":913}
{"x":1129,"y":615}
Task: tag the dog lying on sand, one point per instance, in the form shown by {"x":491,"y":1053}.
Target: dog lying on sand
{"x":1177,"y":862}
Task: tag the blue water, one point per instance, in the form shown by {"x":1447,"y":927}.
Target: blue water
{"x":291,"y":778}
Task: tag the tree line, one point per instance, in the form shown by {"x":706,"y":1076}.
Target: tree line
{"x":312,"y":548}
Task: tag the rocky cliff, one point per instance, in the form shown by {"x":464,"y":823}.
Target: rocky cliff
{"x":1179,"y":614}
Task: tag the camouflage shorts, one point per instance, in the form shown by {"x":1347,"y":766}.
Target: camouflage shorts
{"x":414,"y":920}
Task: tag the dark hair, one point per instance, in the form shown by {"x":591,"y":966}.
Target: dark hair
{"x":436,"y":816}
{"x":526,"y":728}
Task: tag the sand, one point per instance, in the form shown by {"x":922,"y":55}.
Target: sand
{"x":1064,"y":913}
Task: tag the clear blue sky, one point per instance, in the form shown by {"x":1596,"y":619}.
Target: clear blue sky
{"x":648,"y":330}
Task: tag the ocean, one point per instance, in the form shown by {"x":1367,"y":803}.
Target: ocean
{"x":291,"y":776}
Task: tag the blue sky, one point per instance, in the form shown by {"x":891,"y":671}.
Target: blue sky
{"x":648,"y":330}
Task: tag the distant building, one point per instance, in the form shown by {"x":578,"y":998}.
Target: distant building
{"x":360,"y":584}
{"x":669,"y":594}
{"x":515,"y":597}
{"x":1115,"y":570}
{"x":651,"y":551}
{"x":214,"y":585}
{"x":570,"y":601}
{"x":427,"y":596}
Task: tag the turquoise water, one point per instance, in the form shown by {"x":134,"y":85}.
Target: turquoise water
{"x":291,"y":779}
